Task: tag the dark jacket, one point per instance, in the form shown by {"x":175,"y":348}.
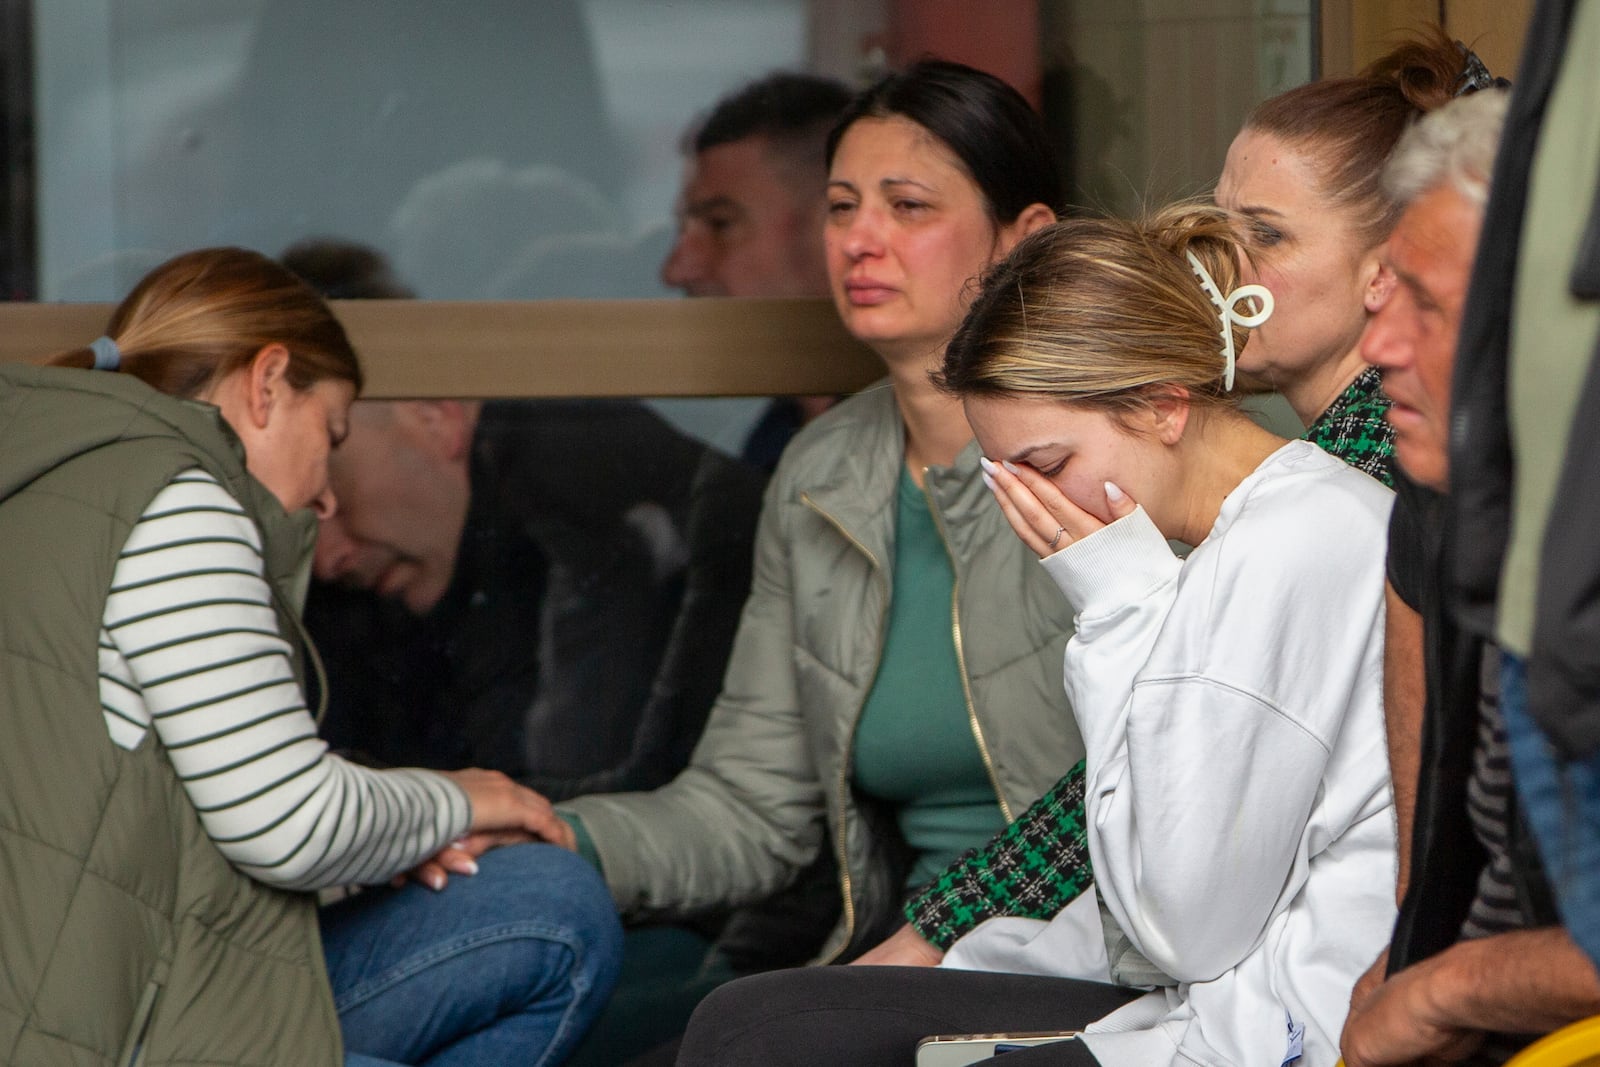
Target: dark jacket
{"x":1446,"y":856}
{"x":125,"y":931}
{"x":1564,"y":667}
{"x":582,"y":639}
{"x":1447,"y":859}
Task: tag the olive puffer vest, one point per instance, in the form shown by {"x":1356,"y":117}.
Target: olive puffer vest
{"x":125,"y":936}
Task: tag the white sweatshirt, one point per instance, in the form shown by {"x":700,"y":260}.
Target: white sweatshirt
{"x":1238,"y":798}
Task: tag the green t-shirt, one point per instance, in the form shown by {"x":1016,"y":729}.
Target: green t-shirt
{"x":914,"y":746}
{"x":1552,"y":332}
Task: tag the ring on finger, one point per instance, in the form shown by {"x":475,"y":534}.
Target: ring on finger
{"x":1057,"y":538}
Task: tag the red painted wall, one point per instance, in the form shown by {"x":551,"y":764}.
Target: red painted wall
{"x":999,"y":36}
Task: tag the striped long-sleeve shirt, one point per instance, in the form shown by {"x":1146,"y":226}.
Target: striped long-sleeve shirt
{"x":190,"y":648}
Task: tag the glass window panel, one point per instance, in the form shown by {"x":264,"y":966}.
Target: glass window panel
{"x":497,"y":150}
{"x":524,"y":151}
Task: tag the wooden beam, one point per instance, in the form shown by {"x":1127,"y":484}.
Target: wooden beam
{"x":709,"y":347}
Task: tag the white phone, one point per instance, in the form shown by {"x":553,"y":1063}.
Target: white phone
{"x":958,"y":1050}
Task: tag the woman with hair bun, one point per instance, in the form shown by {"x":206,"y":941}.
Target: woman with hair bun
{"x":1304,"y":175}
{"x":1237,"y":803}
{"x":167,"y":811}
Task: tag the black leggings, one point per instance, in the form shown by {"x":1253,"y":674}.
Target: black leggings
{"x":874,"y":1016}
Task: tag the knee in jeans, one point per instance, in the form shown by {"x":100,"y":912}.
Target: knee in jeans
{"x":552,"y":886}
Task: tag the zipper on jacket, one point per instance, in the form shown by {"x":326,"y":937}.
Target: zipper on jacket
{"x":840,"y":844}
{"x":139,"y":1028}
{"x":961,"y":655}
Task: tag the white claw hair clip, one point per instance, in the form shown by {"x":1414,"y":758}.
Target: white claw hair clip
{"x":1228,"y":311}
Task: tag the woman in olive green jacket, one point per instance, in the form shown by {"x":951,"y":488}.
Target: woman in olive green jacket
{"x":167,"y":810}
{"x":894,"y":691}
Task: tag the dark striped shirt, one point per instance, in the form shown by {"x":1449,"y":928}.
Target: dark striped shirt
{"x":1495,"y":909}
{"x":190,"y":647}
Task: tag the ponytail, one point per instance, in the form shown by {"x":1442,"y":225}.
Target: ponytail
{"x":197,"y":318}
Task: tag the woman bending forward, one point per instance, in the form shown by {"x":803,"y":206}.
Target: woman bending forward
{"x":166,"y":807}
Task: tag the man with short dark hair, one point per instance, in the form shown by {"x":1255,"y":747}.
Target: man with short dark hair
{"x":751,"y":211}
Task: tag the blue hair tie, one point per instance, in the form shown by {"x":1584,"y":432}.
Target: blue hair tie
{"x":107,"y":356}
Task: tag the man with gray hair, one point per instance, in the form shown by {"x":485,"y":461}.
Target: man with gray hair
{"x":1478,"y":964}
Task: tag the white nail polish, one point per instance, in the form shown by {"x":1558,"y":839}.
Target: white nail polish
{"x":987,"y":480}
{"x":987,"y":464}
{"x":472,"y":866}
{"x":1010,"y":466}
{"x":1114,"y":493}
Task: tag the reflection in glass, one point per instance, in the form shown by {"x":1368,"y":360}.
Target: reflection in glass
{"x":544,"y":587}
{"x":506,"y":150}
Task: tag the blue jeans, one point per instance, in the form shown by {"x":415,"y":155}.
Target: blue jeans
{"x":508,"y":966}
{"x":1562,"y":803}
